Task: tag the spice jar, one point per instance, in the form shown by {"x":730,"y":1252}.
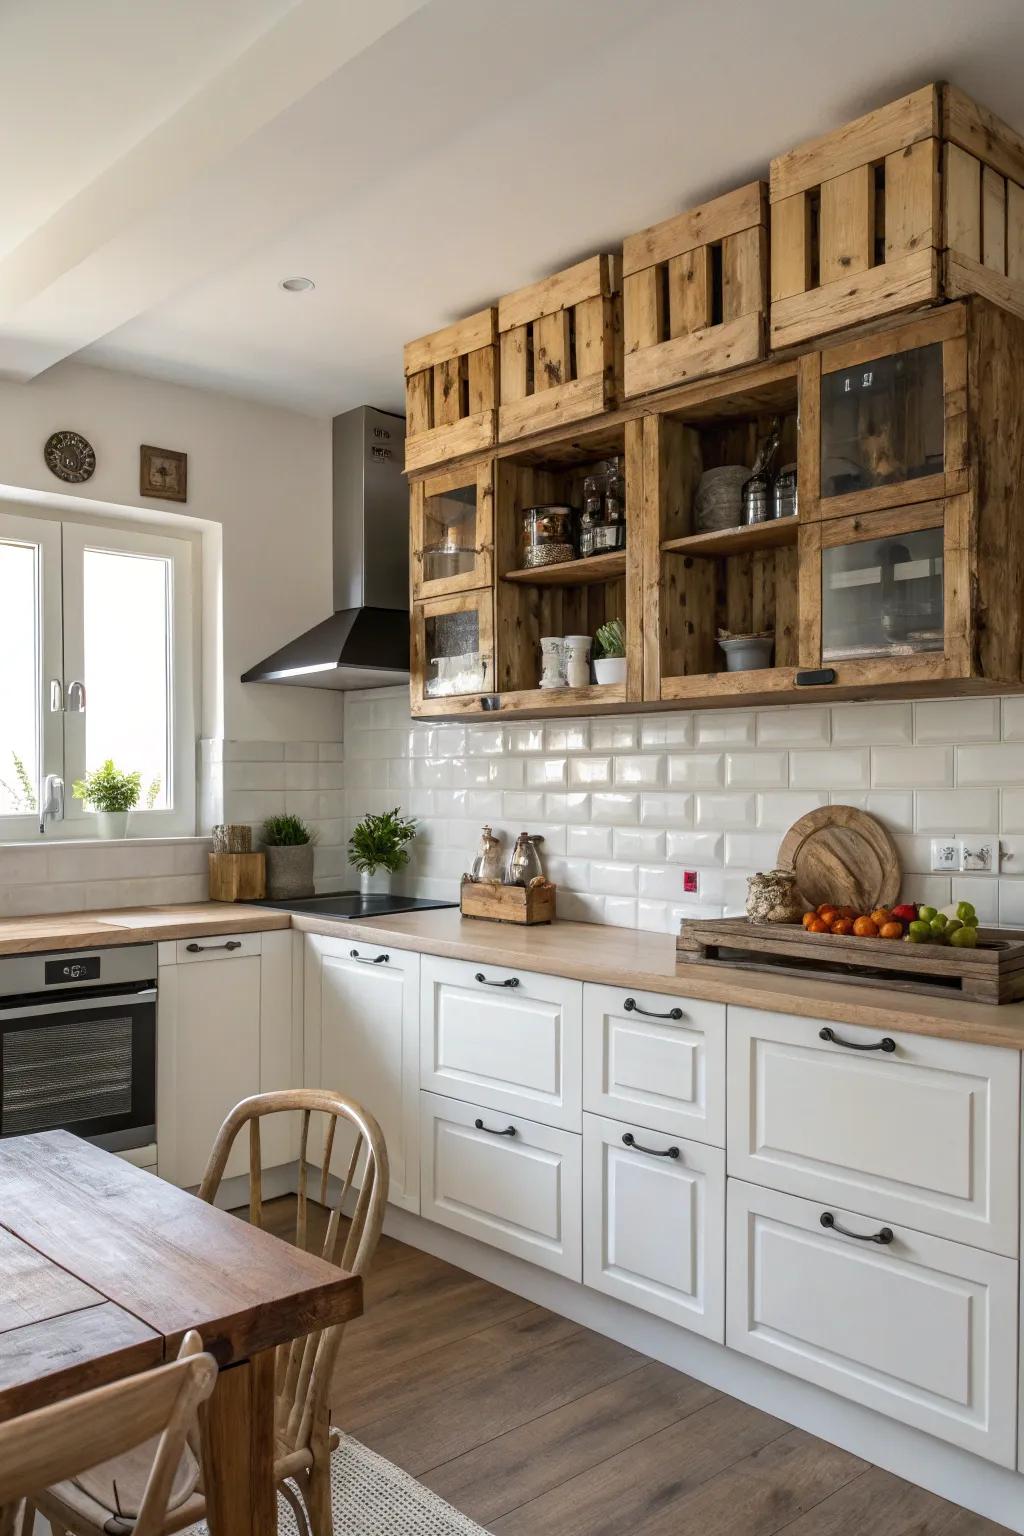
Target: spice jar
{"x":547,"y":537}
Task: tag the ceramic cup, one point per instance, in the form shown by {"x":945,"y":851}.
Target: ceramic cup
{"x":552,"y":662}
{"x":577,"y":660}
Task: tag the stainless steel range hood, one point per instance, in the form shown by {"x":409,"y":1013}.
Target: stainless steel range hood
{"x":365,"y":642}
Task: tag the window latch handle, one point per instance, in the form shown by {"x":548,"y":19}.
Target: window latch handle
{"x":76,"y":697}
{"x":56,"y":696}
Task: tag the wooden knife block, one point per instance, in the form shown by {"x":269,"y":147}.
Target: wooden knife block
{"x":238,"y":876}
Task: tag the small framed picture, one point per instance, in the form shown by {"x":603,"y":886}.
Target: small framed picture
{"x":163,"y":472}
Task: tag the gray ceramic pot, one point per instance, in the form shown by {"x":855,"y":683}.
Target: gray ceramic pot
{"x":290,"y":871}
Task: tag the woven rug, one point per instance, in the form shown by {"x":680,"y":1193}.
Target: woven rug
{"x":373,"y":1497}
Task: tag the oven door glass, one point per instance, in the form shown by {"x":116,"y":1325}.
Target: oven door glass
{"x":88,"y":1067}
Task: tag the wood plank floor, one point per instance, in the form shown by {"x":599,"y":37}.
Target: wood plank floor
{"x":534,"y":1426}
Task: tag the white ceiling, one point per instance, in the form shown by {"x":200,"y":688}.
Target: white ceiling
{"x":168,"y":162}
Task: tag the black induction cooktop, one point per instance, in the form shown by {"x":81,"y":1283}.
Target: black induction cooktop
{"x":347,"y":904}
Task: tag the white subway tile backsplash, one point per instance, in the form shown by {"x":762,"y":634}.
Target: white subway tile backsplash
{"x":952,"y":811}
{"x":594,"y":772}
{"x":956,"y":720}
{"x":640,"y":770}
{"x":912,"y":767}
{"x":727,"y":811}
{"x":637,"y":844}
{"x":1011,"y":903}
{"x":567,"y":736}
{"x":620,"y":911}
{"x":780,"y":808}
{"x":694,"y":848}
{"x":757,"y":770}
{"x":572,"y":807}
{"x":793,"y":727}
{"x":872,"y":725}
{"x":894,"y":808}
{"x":526,"y":738}
{"x":1011,"y":814}
{"x":620,"y":810}
{"x":725,"y":728}
{"x":613,"y":879}
{"x":662,"y":882}
{"x":547,"y":771}
{"x":1012,"y":718}
{"x":525,"y":806}
{"x":589,"y":842}
{"x":485,"y":740}
{"x":848,"y":768}
{"x":696,"y":771}
{"x":990,"y":765}
{"x":652,"y":916}
{"x":613,"y":735}
{"x":751,"y":850}
{"x":666,"y":810}
{"x":983,"y":893}
{"x":659,"y":731}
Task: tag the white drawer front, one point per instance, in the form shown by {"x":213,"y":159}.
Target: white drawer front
{"x":521,"y":1193}
{"x":927,"y":1132}
{"x":922,"y":1329}
{"x":516,"y":1048}
{"x":217,"y":946}
{"x":654,"y":1225}
{"x":641,"y":1063}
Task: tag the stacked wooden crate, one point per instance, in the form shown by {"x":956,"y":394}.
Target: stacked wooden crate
{"x":918,"y":201}
{"x":695,"y":292}
{"x":451,"y":391}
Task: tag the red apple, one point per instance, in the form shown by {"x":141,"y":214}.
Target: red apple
{"x":907,"y":913}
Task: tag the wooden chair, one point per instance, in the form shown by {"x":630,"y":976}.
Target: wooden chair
{"x":68,"y":1449}
{"x":305,"y":1368}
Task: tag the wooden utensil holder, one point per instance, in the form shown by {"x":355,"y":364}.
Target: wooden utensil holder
{"x":238,"y":876}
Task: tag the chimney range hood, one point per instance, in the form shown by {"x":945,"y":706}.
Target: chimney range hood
{"x":365,"y":642}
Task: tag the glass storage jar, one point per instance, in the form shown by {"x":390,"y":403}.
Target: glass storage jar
{"x":547,"y":537}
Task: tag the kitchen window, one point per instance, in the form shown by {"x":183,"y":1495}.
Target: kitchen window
{"x":95,"y":663}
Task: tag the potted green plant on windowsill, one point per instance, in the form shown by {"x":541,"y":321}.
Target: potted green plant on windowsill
{"x":610,"y":658}
{"x":378,"y":848}
{"x":288,"y":844}
{"x":113,"y":795}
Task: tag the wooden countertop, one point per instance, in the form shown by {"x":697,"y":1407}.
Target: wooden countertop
{"x":630,"y":958}
{"x":617,"y":957}
{"x":132,"y":925}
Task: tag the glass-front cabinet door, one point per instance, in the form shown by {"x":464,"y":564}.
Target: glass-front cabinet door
{"x":892,"y":414}
{"x":453,"y":531}
{"x":885,"y":596}
{"x":452,"y":651}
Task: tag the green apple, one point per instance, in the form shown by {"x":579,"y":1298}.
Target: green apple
{"x":920,"y":931}
{"x":927,"y":913}
{"x":953,"y":925}
{"x":964,"y":910}
{"x":972,"y":921}
{"x":964,"y":938}
{"x":910,"y":937}
{"x":938,"y":922}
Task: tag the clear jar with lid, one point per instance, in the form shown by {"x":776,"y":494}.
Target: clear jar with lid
{"x":547,"y":536}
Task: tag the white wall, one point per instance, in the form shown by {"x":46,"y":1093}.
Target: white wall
{"x":260,"y":474}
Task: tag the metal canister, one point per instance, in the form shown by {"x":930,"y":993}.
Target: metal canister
{"x":757,"y":499}
{"x":784,"y":500}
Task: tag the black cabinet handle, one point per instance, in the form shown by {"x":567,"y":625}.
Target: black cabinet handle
{"x":509,"y":1130}
{"x":632,"y":1006}
{"x":884,"y":1235}
{"x":630,"y":1141}
{"x":197,"y":949}
{"x":513,"y":981}
{"x":354,"y":954}
{"x":886,"y":1044}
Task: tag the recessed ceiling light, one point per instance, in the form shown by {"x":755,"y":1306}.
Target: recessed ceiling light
{"x":297,"y":284}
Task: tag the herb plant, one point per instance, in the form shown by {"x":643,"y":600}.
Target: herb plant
{"x":379,"y":842}
{"x":611,"y":638}
{"x":285,"y":832}
{"x":24,"y":797}
{"x":108,"y":789}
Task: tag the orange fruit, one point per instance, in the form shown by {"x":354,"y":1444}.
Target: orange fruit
{"x":817,"y":925}
{"x":893,"y":930}
{"x":880,"y":916}
{"x":846,"y":912}
{"x":842,"y":925}
{"x":865,"y":928}
{"x":809,"y":918}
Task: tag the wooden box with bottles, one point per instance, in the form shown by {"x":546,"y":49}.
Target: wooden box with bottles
{"x":695,"y":292}
{"x":920,"y":200}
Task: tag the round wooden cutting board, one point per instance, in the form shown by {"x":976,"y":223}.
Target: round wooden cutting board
{"x":843,"y":855}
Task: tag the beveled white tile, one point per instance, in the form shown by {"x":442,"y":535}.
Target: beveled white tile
{"x":567,"y":736}
{"x":956,"y":720}
{"x":996,"y":765}
{"x":612,"y":809}
{"x":757,"y":770}
{"x":613,"y":735}
{"x":725,"y":728}
{"x":485,"y":804}
{"x":1011,"y":903}
{"x":652,"y":916}
{"x":912,"y":767}
{"x":526,"y":806}
{"x":666,"y":730}
{"x":640,"y":770}
{"x":666,"y":810}
{"x":620,"y":911}
{"x":485,"y":740}
{"x":872,"y":725}
{"x":751,"y":850}
{"x":848,"y":768}
{"x":594,"y":772}
{"x":507,"y":772}
{"x":696,"y":771}
{"x":893,"y":808}
{"x":726,"y":810}
{"x":1012,"y":718}
{"x":567,"y":807}
{"x":780,"y":808}
{"x":694,"y":849}
{"x":613,"y":879}
{"x":449,"y":740}
{"x":983,"y":892}
{"x":798,"y":727}
{"x":579,"y":907}
{"x":638,"y":844}
{"x":568,"y":874}
{"x":952,"y":811}
{"x":252,"y":751}
{"x":588,"y":842}
{"x":525,"y":738}
{"x":661,"y":882}
{"x":550,"y":771}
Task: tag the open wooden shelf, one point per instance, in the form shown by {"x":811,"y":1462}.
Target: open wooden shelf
{"x":573,"y":573}
{"x":777,"y":533}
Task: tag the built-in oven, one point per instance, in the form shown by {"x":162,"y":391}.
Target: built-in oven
{"x":78,"y":1044}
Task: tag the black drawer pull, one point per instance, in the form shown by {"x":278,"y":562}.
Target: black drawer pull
{"x":513,"y":981}
{"x":354,"y":954}
{"x":887,"y":1043}
{"x":197,"y":949}
{"x":884,"y":1235}
{"x":632,"y":1006}
{"x":815,"y":677}
{"x":509,"y":1130}
{"x":630,"y":1141}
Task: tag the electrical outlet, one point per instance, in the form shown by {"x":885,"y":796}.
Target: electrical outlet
{"x":691,"y":882}
{"x":945,"y":855}
{"x":980,"y":856}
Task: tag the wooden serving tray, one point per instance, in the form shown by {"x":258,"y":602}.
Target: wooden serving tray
{"x":991,"y":973}
{"x":508,"y":903}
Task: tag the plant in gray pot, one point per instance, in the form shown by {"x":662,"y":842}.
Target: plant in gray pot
{"x":378,"y":848}
{"x":288,"y":844}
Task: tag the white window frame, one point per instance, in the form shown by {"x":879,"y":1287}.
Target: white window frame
{"x":59,"y":651}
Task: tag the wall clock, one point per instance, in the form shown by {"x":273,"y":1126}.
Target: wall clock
{"x":70,"y":457}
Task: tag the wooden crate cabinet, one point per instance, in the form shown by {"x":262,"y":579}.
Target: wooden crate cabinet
{"x":560,"y":349}
{"x":451,"y":391}
{"x":695,"y":292}
{"x":455,"y":508}
{"x":918,"y":201}
{"x":446,"y":626}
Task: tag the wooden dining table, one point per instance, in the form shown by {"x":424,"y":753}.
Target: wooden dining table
{"x":103,"y":1270}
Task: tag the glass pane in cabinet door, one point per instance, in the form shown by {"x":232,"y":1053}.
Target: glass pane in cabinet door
{"x":19,"y":679}
{"x":882,"y":422}
{"x":455,"y":662}
{"x":882,"y":597}
{"x":449,"y":533}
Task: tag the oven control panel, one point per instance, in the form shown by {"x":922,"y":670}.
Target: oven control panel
{"x":72,"y":968}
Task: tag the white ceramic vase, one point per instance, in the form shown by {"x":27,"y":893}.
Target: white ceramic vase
{"x":377,"y":884}
{"x":610,"y":669}
{"x":112,"y":823}
{"x":577,"y":660}
{"x":552,"y":661}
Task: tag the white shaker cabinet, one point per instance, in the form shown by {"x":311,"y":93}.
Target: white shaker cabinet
{"x":224,"y":1032}
{"x":362,"y":1040}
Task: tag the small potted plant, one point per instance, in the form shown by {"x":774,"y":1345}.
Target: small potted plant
{"x":288,"y":844}
{"x":610,"y":657}
{"x":113,"y":794}
{"x":378,"y":848}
